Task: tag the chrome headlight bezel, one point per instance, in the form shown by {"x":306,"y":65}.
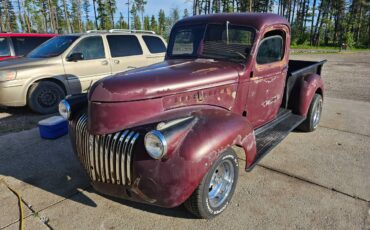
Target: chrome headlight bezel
{"x":155,"y":144}
{"x":8,"y":75}
{"x":64,"y":109}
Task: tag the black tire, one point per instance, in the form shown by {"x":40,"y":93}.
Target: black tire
{"x":312,"y":121}
{"x":44,"y":97}
{"x":200,"y":203}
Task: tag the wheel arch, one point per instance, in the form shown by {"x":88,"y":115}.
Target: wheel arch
{"x":310,"y":85}
{"x":194,"y":154}
{"x":57,"y":80}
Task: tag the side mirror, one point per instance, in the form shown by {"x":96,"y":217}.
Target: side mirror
{"x":75,"y":57}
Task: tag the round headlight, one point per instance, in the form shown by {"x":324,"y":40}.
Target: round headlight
{"x":155,"y":144}
{"x":64,"y":109}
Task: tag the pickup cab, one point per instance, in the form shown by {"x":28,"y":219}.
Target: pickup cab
{"x":165,"y":134}
{"x":70,"y":64}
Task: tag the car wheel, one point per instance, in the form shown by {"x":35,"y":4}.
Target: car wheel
{"x":44,"y":97}
{"x":313,"y":116}
{"x":217,"y":187}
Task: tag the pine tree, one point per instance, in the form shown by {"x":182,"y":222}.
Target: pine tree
{"x":111,"y":10}
{"x":122,"y":23}
{"x":102,"y":14}
{"x":161,"y":22}
{"x":146,"y":23}
{"x":140,"y":7}
{"x":136,"y":24}
{"x":153,"y":24}
{"x":186,"y":13}
{"x":86,"y":10}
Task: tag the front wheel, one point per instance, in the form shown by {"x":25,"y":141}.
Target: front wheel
{"x":44,"y":97}
{"x":217,"y":187}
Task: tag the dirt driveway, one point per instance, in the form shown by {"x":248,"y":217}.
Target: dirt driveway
{"x":316,"y":180}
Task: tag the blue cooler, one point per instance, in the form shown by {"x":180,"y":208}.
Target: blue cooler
{"x":53,"y":127}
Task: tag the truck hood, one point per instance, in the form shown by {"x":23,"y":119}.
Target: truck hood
{"x":163,"y":79}
{"x":22,"y":63}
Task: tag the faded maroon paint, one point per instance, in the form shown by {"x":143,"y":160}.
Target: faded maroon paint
{"x":163,"y":79}
{"x":311,"y":85}
{"x":215,"y":95}
{"x":170,"y":181}
{"x":256,"y":20}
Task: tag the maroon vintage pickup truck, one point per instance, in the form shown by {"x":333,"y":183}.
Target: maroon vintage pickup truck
{"x":163,"y":134}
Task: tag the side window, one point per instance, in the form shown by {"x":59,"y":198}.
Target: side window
{"x":270,"y":50}
{"x":154,"y":44}
{"x":24,"y":45}
{"x":4,"y":47}
{"x":91,"y":48}
{"x":124,"y":45}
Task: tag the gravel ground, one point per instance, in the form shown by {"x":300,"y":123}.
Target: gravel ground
{"x":346,"y":76}
{"x":316,"y":180}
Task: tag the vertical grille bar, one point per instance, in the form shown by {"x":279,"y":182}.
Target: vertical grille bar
{"x":107,"y":158}
{"x":101,"y":158}
{"x":129,"y":156}
{"x":119,"y":156}
{"x":124,"y":157}
{"x":112,"y":158}
{"x":96,"y":157}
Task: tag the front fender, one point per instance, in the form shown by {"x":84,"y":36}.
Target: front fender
{"x":170,"y":181}
{"x":309,"y":86}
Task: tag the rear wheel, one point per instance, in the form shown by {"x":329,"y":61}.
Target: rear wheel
{"x":217,"y":187}
{"x":314,"y":115}
{"x":44,"y":97}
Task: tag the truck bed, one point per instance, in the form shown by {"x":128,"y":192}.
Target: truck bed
{"x":296,"y":71}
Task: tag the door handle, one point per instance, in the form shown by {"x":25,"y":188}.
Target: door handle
{"x":116,"y":61}
{"x":105,"y":62}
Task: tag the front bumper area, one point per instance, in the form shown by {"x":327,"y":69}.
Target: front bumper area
{"x":11,"y":94}
{"x":109,"y":162}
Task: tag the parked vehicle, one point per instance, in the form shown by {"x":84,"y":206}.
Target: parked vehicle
{"x":14,"y":45}
{"x":163,"y":134}
{"x":70,"y":64}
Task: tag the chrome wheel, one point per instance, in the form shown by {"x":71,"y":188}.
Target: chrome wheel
{"x":317,"y":114}
{"x":221,"y":183}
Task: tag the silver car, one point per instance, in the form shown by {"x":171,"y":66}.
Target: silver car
{"x":70,"y":64}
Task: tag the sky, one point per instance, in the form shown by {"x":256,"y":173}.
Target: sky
{"x":153,"y":6}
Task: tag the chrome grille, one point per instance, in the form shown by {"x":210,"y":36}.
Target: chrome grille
{"x":106,"y":158}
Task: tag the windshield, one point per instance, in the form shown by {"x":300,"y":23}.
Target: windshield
{"x":4,"y":47}
{"x":230,"y":42}
{"x":53,"y":47}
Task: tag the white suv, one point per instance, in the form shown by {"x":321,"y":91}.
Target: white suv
{"x":70,"y":64}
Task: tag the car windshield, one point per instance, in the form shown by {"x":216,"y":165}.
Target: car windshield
{"x":216,"y":41}
{"x":53,"y":47}
{"x":4,"y":47}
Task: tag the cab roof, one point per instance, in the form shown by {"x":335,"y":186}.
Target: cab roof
{"x":256,"y":20}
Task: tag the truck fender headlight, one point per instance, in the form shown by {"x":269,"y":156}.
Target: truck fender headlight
{"x":155,"y":144}
{"x":64,"y":109}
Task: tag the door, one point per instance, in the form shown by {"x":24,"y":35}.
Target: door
{"x":268,"y":80}
{"x":156,"y":48}
{"x":90,"y":66}
{"x":126,"y":52}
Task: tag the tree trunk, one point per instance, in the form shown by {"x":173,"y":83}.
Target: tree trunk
{"x":313,"y":17}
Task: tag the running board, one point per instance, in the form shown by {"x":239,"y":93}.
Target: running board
{"x":271,"y":134}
